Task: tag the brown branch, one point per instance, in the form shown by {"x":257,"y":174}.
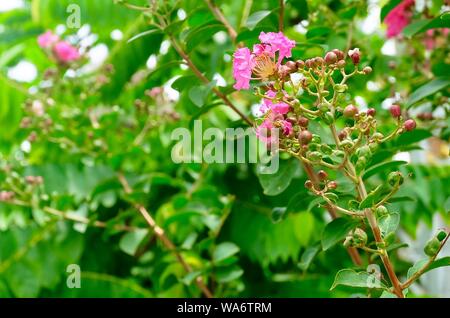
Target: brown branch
{"x":159,"y":232}
{"x":219,"y":16}
{"x":281,"y":16}
{"x":206,"y":81}
{"x":352,"y":251}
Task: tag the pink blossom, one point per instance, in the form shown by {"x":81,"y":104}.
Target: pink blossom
{"x":264,"y":132}
{"x":398,"y":18}
{"x":242,"y":68}
{"x":65,"y":52}
{"x":279,"y":42}
{"x":259,"y":49}
{"x":280,"y":108}
{"x":47,"y":39}
{"x":287,"y":127}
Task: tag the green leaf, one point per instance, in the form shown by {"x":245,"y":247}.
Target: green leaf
{"x":441,"y":262}
{"x":349,"y":277}
{"x":411,"y":137}
{"x":274,"y":184}
{"x":387,"y":8}
{"x":228,"y":274}
{"x":336,"y":231}
{"x":22,"y":280}
{"x":307,"y":257}
{"x":385,"y":166}
{"x":224,"y":250}
{"x":197,"y":95}
{"x":278,"y":214}
{"x":139,"y":35}
{"x":256,"y":18}
{"x":318,"y":32}
{"x":371,"y":198}
{"x":428,"y":89}
{"x":414,"y":27}
{"x":201,"y":34}
{"x":129,"y":243}
{"x":389,"y":223}
{"x":190,"y":277}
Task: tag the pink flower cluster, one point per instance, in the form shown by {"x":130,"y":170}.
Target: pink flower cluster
{"x":62,"y":50}
{"x":398,"y":18}
{"x":244,"y":60}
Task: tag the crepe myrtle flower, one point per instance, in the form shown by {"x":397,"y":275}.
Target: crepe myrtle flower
{"x":47,"y":39}
{"x":398,"y":18}
{"x":263,"y":61}
{"x":65,"y":52}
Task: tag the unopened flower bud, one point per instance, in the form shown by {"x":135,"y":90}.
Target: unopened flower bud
{"x":395,"y":178}
{"x":371,"y":112}
{"x":367,"y":70}
{"x":395,"y":111}
{"x":331,"y":58}
{"x":305,"y":137}
{"x":332,"y":185}
{"x":340,"y":88}
{"x":359,"y":237}
{"x":441,"y":235}
{"x":300,"y":64}
{"x":341,"y":64}
{"x":342,"y":135}
{"x":314,"y":156}
{"x":308,"y":184}
{"x":339,"y":54}
{"x":432,"y":247}
{"x":292,"y":66}
{"x":409,"y":125}
{"x":322,"y":175}
{"x":381,"y":210}
{"x":350,"y":111}
{"x":303,"y":121}
{"x":6,"y":196}
{"x":328,"y":118}
{"x":354,"y":55}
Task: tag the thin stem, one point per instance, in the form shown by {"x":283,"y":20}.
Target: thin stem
{"x":281,"y":16}
{"x":205,"y":80}
{"x":219,"y":16}
{"x":424,"y":268}
{"x":160,"y":234}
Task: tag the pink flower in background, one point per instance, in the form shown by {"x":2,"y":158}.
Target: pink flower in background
{"x":47,"y":39}
{"x":398,"y":18}
{"x":430,"y":37}
{"x":279,"y":42}
{"x":242,"y":68}
{"x":65,"y":52}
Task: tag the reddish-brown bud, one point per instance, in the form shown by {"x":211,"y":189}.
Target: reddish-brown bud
{"x":341,"y":63}
{"x":350,"y":111}
{"x":354,"y":55}
{"x":409,"y":125}
{"x":331,"y":58}
{"x":367,"y":70}
{"x":339,"y":54}
{"x":332,"y":185}
{"x":291,"y":65}
{"x":396,"y":111}
{"x":342,"y":135}
{"x":305,"y":137}
{"x":303,"y":121}
{"x":371,"y":112}
{"x":308,"y":184}
{"x":322,"y":175}
{"x":300,"y":64}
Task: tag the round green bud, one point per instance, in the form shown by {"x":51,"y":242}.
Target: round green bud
{"x":328,"y":118}
{"x":359,"y":237}
{"x":314,"y":147}
{"x":432,"y":247}
{"x":326,"y":149}
{"x":316,"y":139}
{"x":441,"y":236}
{"x":381,"y":210}
{"x":340,"y":88}
{"x":390,"y":238}
{"x":395,"y":178}
{"x":363,"y":151}
{"x":314,"y":156}
{"x":347,"y":144}
{"x":353,"y":204}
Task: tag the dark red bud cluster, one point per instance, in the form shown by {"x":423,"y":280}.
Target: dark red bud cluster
{"x":305,"y":137}
{"x":409,"y":125}
{"x":350,"y":111}
{"x":425,"y":116}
